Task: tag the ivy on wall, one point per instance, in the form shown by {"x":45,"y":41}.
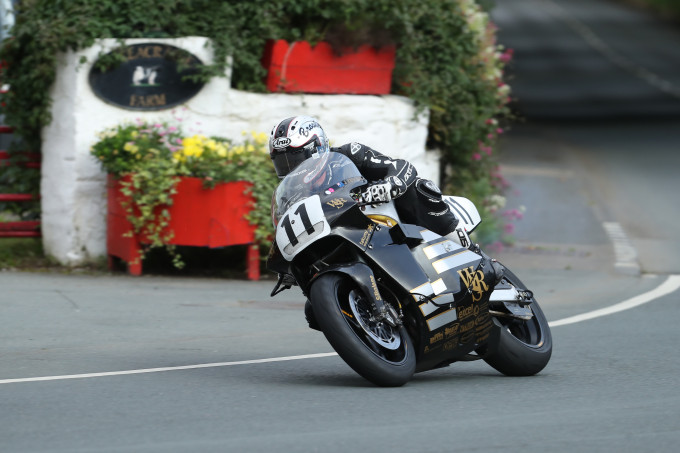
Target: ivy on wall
{"x":447,"y":60}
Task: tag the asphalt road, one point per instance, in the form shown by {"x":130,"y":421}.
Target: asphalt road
{"x":589,"y":59}
{"x":611,"y":385}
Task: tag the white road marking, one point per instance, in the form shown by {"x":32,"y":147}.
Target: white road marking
{"x":170,"y":368}
{"x":624,"y":251}
{"x":671,"y":284}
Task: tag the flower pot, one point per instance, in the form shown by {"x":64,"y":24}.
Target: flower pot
{"x":299,"y":67}
{"x":198,"y":217}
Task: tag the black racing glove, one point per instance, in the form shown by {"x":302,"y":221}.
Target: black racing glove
{"x":398,"y":186}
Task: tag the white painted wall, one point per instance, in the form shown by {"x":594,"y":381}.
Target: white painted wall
{"x":73,"y":185}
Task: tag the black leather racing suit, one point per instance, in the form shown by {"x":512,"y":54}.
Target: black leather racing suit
{"x":418,"y":201}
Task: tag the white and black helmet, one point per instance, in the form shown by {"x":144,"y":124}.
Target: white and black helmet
{"x":295,"y":140}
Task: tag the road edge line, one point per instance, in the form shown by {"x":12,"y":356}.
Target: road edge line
{"x":671,"y":284}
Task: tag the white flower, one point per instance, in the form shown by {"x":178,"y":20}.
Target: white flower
{"x":497,"y":201}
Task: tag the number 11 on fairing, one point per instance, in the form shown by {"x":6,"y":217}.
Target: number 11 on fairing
{"x":306,"y":223}
{"x":301,"y":225}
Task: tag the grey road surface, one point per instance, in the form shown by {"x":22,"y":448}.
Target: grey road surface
{"x":606,"y":376}
{"x":589,"y":59}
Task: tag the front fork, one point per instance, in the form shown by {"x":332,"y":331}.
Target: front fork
{"x":363,"y":276}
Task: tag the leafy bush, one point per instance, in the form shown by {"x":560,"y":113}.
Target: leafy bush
{"x":447,"y":59}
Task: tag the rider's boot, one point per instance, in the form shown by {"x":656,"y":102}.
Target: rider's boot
{"x":463,"y":240}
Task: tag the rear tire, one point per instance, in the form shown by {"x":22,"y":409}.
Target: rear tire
{"x":524,"y":347}
{"x":379,"y":352}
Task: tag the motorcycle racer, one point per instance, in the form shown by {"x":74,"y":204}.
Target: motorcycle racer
{"x":417,"y":200}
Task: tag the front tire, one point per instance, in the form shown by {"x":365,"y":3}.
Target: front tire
{"x":524,"y":347}
{"x":379,"y":352}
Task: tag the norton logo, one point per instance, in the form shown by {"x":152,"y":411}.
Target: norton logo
{"x":149,"y":76}
{"x":281,"y":142}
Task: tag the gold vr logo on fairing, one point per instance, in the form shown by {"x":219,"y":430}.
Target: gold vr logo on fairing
{"x":474,"y":281}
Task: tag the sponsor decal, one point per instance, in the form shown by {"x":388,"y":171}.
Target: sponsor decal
{"x":429,"y":349}
{"x":451,"y":345}
{"x":281,"y":142}
{"x":463,"y":238}
{"x":467,"y":337}
{"x":474,"y":281}
{"x":451,"y":331}
{"x":355,"y":148}
{"x":366,"y":236}
{"x":376,"y":293}
{"x":307,"y":127}
{"x":470,"y":310}
{"x":481,"y":319}
{"x":436,"y":337}
{"x":485,"y":326}
{"x":467,"y":326}
{"x":336,"y":202}
{"x":297,"y":173}
{"x":408,"y":173}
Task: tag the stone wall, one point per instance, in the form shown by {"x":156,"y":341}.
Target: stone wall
{"x":73,"y":185}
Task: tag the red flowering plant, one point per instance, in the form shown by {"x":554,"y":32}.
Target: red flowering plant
{"x":472,"y":170}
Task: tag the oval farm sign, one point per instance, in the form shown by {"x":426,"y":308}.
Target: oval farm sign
{"x":153,"y":76}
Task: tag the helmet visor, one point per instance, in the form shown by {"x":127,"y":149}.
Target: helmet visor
{"x":285,"y":162}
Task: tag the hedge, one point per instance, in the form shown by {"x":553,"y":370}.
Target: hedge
{"x":447,"y":61}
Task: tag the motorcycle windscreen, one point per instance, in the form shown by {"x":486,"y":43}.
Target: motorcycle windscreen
{"x":315,"y":176}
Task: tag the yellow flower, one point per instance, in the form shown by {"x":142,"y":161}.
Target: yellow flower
{"x":259,"y":137}
{"x":211,"y":145}
{"x":193,"y":146}
{"x":134,"y":134}
{"x":131,"y":147}
{"x":222,"y":150}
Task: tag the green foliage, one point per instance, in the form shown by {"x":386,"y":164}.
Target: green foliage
{"x":21,"y":252}
{"x":447,"y":60}
{"x":149,"y":158}
{"x":669,"y":8}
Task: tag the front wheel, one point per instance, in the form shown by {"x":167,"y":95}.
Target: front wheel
{"x":524,"y":346}
{"x":379,"y":352}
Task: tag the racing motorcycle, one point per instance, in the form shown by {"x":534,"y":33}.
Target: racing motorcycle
{"x":392,"y":298}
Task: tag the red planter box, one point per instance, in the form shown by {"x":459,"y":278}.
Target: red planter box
{"x":298,"y":67}
{"x":198,"y":217}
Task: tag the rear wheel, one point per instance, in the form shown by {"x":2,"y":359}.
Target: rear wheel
{"x":378,"y":351}
{"x":524,"y":346}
